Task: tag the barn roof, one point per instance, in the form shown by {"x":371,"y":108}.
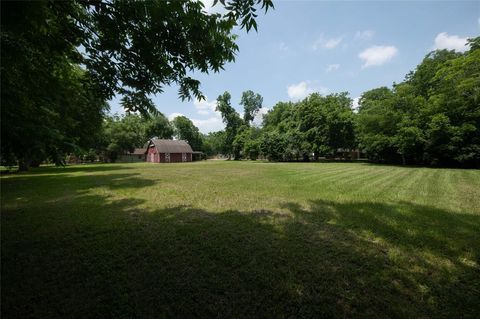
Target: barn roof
{"x":171,"y":146}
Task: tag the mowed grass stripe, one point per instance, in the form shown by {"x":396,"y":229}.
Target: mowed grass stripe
{"x":466,"y":186}
{"x":379,"y":183}
{"x":310,"y":168}
{"x":407,"y":190}
{"x":364,"y":177}
{"x":336,"y":175}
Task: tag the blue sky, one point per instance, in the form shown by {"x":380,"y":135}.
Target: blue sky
{"x":327,"y":46}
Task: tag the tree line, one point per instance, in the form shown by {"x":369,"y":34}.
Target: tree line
{"x":62,"y":61}
{"x":431,"y":118}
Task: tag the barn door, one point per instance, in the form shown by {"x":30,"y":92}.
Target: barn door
{"x":184,"y":157}
{"x":167,"y":157}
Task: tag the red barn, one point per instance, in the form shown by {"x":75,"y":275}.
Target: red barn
{"x":168,"y":151}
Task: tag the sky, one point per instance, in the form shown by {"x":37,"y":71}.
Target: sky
{"x":327,"y":47}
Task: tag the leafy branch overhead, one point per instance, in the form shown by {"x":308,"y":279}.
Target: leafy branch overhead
{"x":137,"y":48}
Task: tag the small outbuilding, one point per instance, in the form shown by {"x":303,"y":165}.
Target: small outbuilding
{"x":168,"y":151}
{"x":138,"y":155}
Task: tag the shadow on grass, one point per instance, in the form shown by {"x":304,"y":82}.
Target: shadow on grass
{"x":50,"y":186}
{"x":114,"y":259}
{"x":104,"y":167}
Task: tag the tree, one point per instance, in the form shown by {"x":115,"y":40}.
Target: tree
{"x":376,"y":124}
{"x":123,"y":134}
{"x":273,"y":146}
{"x":233,"y":123}
{"x":251,"y":103}
{"x":184,"y":129}
{"x":281,"y":112}
{"x":214,"y":143}
{"x":252,"y":142}
{"x":326,"y":123}
{"x":157,"y":125}
{"x":433,"y":117}
{"x":135,"y":48}
{"x":453,"y":114}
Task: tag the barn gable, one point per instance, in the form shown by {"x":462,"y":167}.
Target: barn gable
{"x":161,"y":151}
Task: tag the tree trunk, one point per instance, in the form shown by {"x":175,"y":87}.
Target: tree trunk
{"x":23,"y":165}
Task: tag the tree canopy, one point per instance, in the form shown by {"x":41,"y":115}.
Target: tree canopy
{"x":122,"y":134}
{"x":62,"y":60}
{"x":184,"y":129}
{"x":251,"y":103}
{"x":433,"y":117}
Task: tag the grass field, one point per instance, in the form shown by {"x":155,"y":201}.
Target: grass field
{"x":240,"y":239}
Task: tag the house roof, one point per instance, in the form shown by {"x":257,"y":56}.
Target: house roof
{"x":139,"y":151}
{"x":171,"y":146}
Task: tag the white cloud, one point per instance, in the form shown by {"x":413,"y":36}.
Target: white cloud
{"x":204,"y":107}
{"x":211,"y":124}
{"x":355,"y":104}
{"x":332,"y":43}
{"x":174,"y":115}
{"x":364,"y":35}
{"x":298,"y":91}
{"x":326,"y":43}
{"x":332,"y":67}
{"x":303,"y":89}
{"x":450,"y":42}
{"x":377,"y":55}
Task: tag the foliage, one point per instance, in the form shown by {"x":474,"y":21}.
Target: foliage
{"x":62,"y":60}
{"x":214,"y":143}
{"x":238,"y":132}
{"x":319,"y":125}
{"x":184,"y":129}
{"x":135,"y":48}
{"x":50,"y":106}
{"x":433,"y":117}
{"x":273,"y":146}
{"x":326,"y":123}
{"x":233,"y":124}
{"x":251,"y":103}
{"x":90,"y":155}
{"x":122,"y":134}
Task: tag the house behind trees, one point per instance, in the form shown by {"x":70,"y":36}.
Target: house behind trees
{"x":138,"y":155}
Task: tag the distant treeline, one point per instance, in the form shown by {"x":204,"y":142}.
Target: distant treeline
{"x":431,"y":118}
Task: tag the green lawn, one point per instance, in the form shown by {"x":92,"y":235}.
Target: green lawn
{"x":240,"y":239}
